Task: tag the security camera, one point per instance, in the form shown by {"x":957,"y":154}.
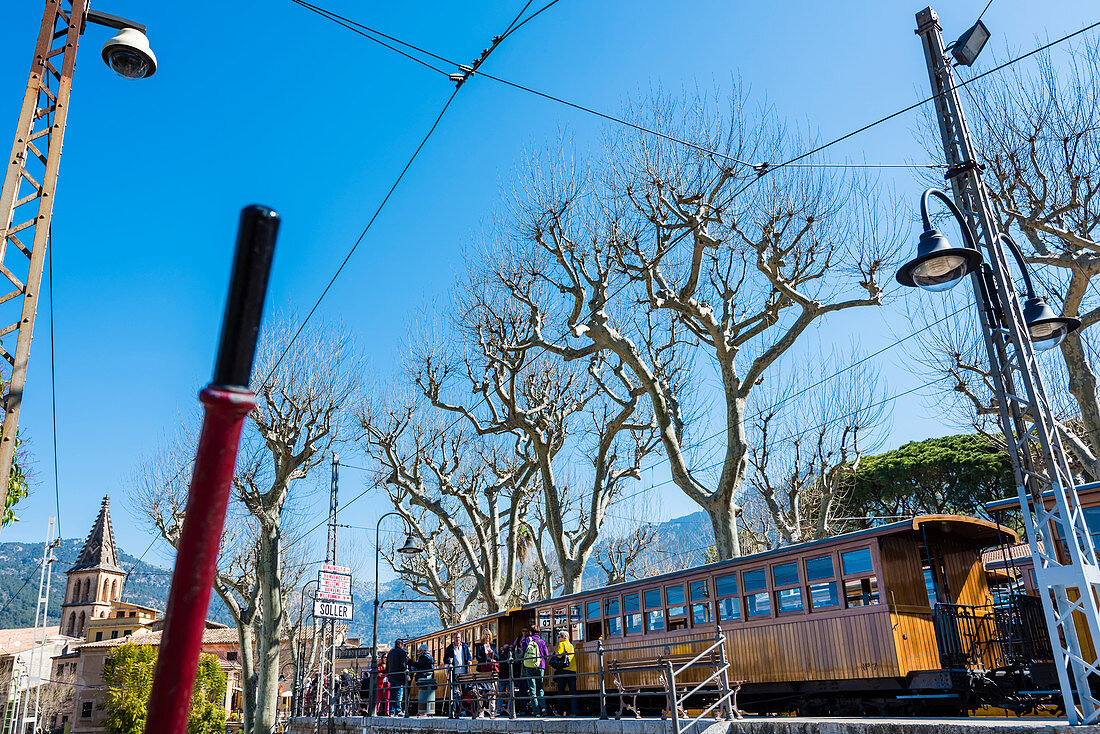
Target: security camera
{"x":129,"y":55}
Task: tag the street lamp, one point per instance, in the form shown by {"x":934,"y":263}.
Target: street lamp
{"x":410,"y":548}
{"x":939,"y":267}
{"x":1046,"y":328}
{"x":30,"y":181}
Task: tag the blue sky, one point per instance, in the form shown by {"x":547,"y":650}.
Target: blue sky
{"x":268,"y":103}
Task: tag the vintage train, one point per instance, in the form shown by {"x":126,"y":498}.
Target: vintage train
{"x":902,"y":618}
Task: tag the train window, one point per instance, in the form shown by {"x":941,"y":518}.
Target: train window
{"x":861,"y":592}
{"x":674,"y":597}
{"x":785,"y":574}
{"x":729,"y":609}
{"x":652,"y":599}
{"x":823,"y":596}
{"x":698,"y":590}
{"x":726,"y":585}
{"x":654,"y":620}
{"x":631,"y":604}
{"x":574,"y":614}
{"x":700,"y":614}
{"x":758,"y":605}
{"x":592,"y":631}
{"x":677,"y":607}
{"x":755,"y":581}
{"x":613,"y":627}
{"x":819,"y":569}
{"x":593,"y":610}
{"x":611,"y":607}
{"x":857,"y":561}
{"x":632,"y":608}
{"x":789,"y":600}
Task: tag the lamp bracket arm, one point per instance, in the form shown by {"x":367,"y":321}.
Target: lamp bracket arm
{"x":1020,"y":261}
{"x":111,"y":21}
{"x":968,"y":234}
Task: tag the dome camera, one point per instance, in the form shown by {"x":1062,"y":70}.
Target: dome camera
{"x":129,"y":55}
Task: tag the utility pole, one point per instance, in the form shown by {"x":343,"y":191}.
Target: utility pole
{"x":38,"y":646}
{"x":330,"y":649}
{"x":30,"y":181}
{"x":1066,"y":569}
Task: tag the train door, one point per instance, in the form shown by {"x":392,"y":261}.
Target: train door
{"x":944,"y":612}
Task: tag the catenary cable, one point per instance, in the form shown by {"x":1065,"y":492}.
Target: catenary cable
{"x":768,"y":168}
{"x":381,"y":206}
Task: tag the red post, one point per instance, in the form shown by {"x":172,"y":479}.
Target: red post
{"x":227,"y":401}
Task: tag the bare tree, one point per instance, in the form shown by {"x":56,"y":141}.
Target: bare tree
{"x":627,"y":547}
{"x":442,"y":572}
{"x":671,"y":259}
{"x":1037,"y":133}
{"x":294,"y":426}
{"x":526,"y":412}
{"x":476,"y":490}
{"x":806,"y":451}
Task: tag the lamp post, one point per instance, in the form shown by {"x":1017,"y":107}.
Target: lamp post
{"x":411,"y":547}
{"x":1067,"y":574}
{"x":30,"y":181}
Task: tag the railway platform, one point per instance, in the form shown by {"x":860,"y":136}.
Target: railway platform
{"x":748,"y":725}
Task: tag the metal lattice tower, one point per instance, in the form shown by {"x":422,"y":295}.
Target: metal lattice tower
{"x":37,"y":669}
{"x":330,"y":548}
{"x":1066,"y":570}
{"x":26,"y":204}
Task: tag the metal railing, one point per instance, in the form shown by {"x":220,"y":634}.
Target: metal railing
{"x":718,"y":676}
{"x":992,"y":636}
{"x":507,"y":688}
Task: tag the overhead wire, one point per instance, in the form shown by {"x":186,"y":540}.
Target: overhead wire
{"x":529,"y":18}
{"x":915,"y":105}
{"x":397,"y":181}
{"x":512,"y":27}
{"x":767,"y":168}
{"x":20,"y":589}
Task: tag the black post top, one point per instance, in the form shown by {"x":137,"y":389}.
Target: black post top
{"x":245,"y":303}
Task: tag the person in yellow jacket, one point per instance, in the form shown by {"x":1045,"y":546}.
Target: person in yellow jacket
{"x":566,"y":677}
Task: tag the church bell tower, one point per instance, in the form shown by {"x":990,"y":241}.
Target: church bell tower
{"x":95,"y":580}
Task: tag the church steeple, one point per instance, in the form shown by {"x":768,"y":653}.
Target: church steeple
{"x":99,"y":549}
{"x":95,"y":580}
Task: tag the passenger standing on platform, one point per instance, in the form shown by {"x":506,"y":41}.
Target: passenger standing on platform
{"x":424,"y":673}
{"x":457,"y":660}
{"x":381,"y":690}
{"x":397,"y":665}
{"x":566,"y":678}
{"x":487,"y":662}
{"x":505,"y":666}
{"x":534,"y":658}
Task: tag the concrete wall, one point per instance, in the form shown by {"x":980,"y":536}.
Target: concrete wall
{"x":763,"y":725}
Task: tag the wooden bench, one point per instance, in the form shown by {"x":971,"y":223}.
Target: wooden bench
{"x":659,"y":665}
{"x":483,"y":691}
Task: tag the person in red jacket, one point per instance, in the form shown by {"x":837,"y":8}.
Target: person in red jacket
{"x":382,"y":689}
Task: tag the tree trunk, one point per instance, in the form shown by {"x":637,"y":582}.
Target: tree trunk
{"x":267,"y":663}
{"x":723,"y":521}
{"x":1082,"y":385}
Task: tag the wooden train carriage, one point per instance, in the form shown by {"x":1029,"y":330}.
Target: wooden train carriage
{"x":853,"y":607}
{"x":502,"y":626}
{"x":853,"y":612}
{"x":1011,"y":567}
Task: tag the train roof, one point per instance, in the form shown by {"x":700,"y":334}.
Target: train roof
{"x":980,"y":532}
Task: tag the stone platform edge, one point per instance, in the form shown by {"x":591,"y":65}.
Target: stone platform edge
{"x":753,"y":725}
